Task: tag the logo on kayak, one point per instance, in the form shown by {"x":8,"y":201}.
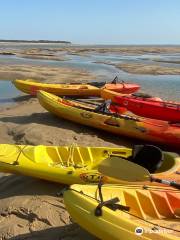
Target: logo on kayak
{"x":92,"y":177}
{"x":86,"y":115}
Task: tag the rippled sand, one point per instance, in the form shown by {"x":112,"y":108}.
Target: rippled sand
{"x":44,"y":73}
{"x":139,"y":68}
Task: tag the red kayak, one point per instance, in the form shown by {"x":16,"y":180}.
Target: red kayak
{"x":149,"y":107}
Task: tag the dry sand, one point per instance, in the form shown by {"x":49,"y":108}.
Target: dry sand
{"x":29,"y":208}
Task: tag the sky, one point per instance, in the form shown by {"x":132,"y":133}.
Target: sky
{"x":92,"y":21}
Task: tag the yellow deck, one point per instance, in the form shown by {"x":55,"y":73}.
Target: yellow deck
{"x":30,"y":87}
{"x":155,"y":209}
{"x":71,"y":164}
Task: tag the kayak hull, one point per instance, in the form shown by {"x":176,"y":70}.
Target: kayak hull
{"x":62,"y":164}
{"x":145,"y":129}
{"x":30,"y":87}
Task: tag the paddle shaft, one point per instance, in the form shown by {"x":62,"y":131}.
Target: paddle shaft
{"x":166,"y":182}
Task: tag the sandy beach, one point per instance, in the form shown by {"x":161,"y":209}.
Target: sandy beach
{"x":135,"y":45}
{"x":32,"y":208}
{"x":29,"y":212}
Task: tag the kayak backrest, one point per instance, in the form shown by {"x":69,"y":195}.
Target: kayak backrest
{"x":141,"y":95}
{"x":147,"y":156}
{"x":170,"y":164}
{"x":104,"y":107}
{"x":97,"y":84}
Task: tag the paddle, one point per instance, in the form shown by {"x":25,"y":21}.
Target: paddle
{"x":128,"y":171}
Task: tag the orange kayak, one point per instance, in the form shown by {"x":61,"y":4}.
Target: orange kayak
{"x":122,"y":87}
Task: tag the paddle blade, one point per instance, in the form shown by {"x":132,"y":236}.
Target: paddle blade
{"x":122,"y":169}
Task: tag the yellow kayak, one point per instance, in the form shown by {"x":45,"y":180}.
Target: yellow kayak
{"x":64,"y":164}
{"x":73,"y":164}
{"x":131,"y":212}
{"x":30,"y":87}
{"x":131,"y":126}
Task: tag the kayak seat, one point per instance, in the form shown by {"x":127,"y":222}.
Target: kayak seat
{"x":83,"y":87}
{"x":147,"y":156}
{"x":104,"y":107}
{"x":97,"y":84}
{"x":170,"y":164}
{"x":142,"y":95}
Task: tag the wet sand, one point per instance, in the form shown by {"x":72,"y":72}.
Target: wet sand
{"x":63,"y":51}
{"x":139,"y":68}
{"x":44,"y":73}
{"x":63,"y":54}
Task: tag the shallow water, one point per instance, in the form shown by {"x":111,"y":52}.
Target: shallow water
{"x":7,"y":92}
{"x":164,"y":86}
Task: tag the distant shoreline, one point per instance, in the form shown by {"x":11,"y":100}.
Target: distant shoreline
{"x":33,"y":41}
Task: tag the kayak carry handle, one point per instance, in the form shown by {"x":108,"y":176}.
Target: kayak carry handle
{"x":111,"y":204}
